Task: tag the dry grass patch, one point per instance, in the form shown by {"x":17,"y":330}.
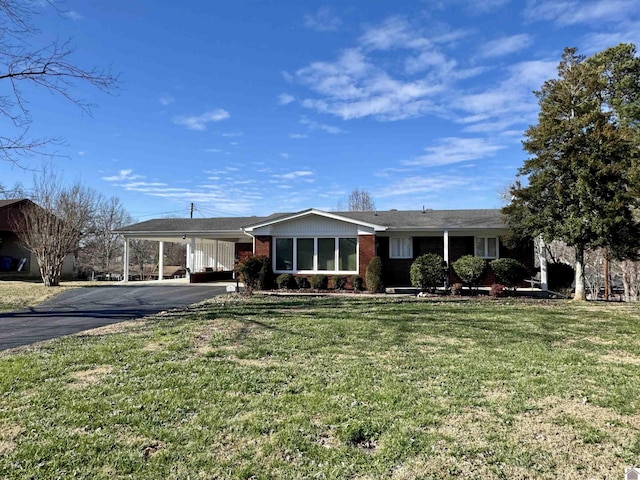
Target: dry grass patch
{"x":87,"y":378}
{"x":624,"y":358}
{"x":8,"y":434}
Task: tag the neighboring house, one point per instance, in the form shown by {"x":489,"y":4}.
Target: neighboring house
{"x":14,"y":258}
{"x":314,"y":241}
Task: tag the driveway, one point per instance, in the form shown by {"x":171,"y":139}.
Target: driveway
{"x":82,"y":309}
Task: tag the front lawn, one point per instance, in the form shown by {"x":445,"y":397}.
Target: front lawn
{"x":335,"y":387}
{"x":15,"y":295}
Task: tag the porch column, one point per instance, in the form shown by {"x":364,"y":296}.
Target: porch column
{"x":191,"y":252}
{"x":542,"y":257}
{"x":445,"y":239}
{"x":160,"y":261}
{"x":125,"y":268}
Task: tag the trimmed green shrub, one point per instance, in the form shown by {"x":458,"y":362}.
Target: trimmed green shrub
{"x":356,"y":282}
{"x":509,"y":271}
{"x":428,"y":271}
{"x":339,"y":282}
{"x":286,"y":280}
{"x":560,"y":276}
{"x":319,"y":282}
{"x":373,"y":276}
{"x":302,"y":282}
{"x":255,"y":273}
{"x":470,"y":269}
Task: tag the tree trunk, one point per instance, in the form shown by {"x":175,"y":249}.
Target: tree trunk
{"x":580,"y":295}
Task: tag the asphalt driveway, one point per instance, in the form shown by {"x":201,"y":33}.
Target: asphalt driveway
{"x":82,"y":309}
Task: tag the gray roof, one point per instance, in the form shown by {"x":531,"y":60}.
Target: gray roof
{"x":393,"y":219}
{"x":431,"y":219}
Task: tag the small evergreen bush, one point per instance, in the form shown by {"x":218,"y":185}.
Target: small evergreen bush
{"x":339,"y":282}
{"x":356,"y":282}
{"x":509,"y":271}
{"x":256,"y":273}
{"x":374,"y":276}
{"x":319,"y":282}
{"x":286,"y":280}
{"x":428,"y":271}
{"x":470,"y":269}
{"x":302,"y":282}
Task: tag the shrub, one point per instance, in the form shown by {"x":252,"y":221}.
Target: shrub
{"x":319,"y":282}
{"x":286,"y":280}
{"x":356,"y":282}
{"x":560,"y":276}
{"x":470,"y":269}
{"x":428,"y":271}
{"x":508,"y":271}
{"x":339,"y":282}
{"x":302,"y":282}
{"x":255,"y":273}
{"x":497,"y":290}
{"x":374,"y":276}
{"x":456,"y":289}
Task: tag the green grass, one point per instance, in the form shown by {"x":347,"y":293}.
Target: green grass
{"x":360,"y":388}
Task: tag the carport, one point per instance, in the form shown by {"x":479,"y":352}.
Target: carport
{"x":213,"y":244}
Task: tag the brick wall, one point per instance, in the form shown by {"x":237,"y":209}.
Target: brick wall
{"x":367,"y":252}
{"x":262,"y":246}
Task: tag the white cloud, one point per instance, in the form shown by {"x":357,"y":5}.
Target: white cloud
{"x":284,"y":155}
{"x":123,"y":175}
{"x":285,"y":99}
{"x":506,"y":45}
{"x":82,"y":153}
{"x":73,"y":15}
{"x":423,"y":184}
{"x":572,"y":12}
{"x":313,"y":125}
{"x":199,"y":122}
{"x":298,"y":135}
{"x":456,"y":150}
{"x":232,"y":134}
{"x":213,"y":150}
{"x":294,"y":175}
{"x":166,"y":100}
{"x":323,"y":20}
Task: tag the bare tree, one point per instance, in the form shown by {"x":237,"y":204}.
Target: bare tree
{"x":360,"y":201}
{"x":101,"y":245}
{"x":23,"y":65}
{"x":51,"y":228}
{"x":13,"y":193}
{"x":144,"y":257}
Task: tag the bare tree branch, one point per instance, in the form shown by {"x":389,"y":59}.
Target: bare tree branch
{"x":50,"y":67}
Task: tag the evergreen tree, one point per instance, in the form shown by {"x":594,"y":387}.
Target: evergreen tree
{"x":582,"y":177}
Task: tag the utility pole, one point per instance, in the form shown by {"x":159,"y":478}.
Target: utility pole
{"x":191,"y":211}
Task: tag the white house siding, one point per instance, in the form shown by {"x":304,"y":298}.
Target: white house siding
{"x":216,"y":254}
{"x":314,"y":226}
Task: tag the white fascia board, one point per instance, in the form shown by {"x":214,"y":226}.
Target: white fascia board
{"x":313,"y":211}
{"x":221,"y":234}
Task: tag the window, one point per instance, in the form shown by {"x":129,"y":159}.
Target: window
{"x":347,"y":253}
{"x":327,"y":254}
{"x":305,"y":253}
{"x":401,"y":247}
{"x":487,"y":247}
{"x":284,"y":253}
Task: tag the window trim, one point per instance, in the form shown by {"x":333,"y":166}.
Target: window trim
{"x":401,"y":239}
{"x":485,"y":253}
{"x":315,"y":270}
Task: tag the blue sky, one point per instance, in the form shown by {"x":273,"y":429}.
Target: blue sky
{"x":254,"y":107}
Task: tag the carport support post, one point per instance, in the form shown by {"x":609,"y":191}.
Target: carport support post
{"x":160,"y":261}
{"x":125,"y":269}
